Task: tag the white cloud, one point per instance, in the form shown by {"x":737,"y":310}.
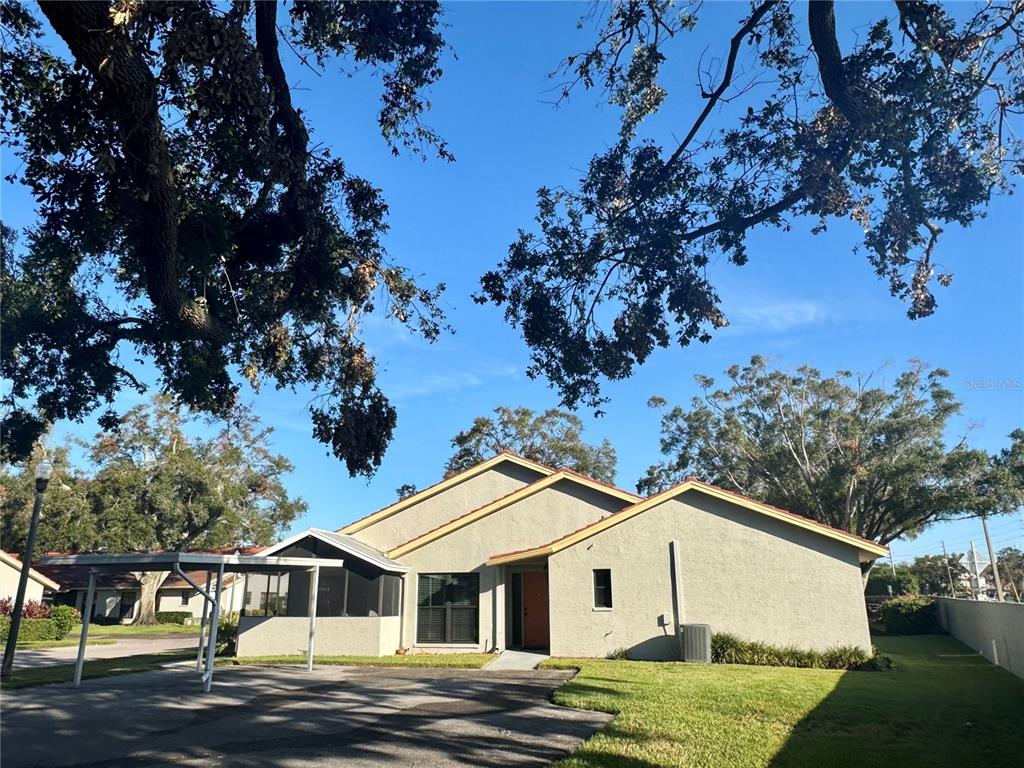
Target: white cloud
{"x":432,"y":384}
{"x":778,"y":317}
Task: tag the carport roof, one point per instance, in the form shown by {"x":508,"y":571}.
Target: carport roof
{"x":192,"y":561}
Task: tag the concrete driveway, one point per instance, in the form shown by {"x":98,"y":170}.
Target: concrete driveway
{"x":124,"y":646}
{"x":286,"y":718}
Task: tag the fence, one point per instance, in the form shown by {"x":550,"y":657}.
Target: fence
{"x":995,"y":630}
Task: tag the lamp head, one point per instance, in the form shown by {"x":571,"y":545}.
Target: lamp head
{"x":43,"y":471}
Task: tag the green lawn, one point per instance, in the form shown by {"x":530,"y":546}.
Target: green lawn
{"x":132,"y":630}
{"x":942,"y":705}
{"x":446,"y":660}
{"x":63,"y":673}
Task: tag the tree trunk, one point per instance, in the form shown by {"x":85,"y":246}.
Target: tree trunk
{"x":149,"y":583}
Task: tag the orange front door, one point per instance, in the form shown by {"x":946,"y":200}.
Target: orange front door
{"x":536,"y":630}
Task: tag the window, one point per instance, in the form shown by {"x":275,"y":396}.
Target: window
{"x":602,"y":588}
{"x":185,"y":595}
{"x":266,"y":594}
{"x":448,"y":608}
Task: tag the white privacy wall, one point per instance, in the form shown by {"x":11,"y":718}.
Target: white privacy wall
{"x":995,"y":630}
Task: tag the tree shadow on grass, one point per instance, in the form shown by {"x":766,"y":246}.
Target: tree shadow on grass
{"x":941,"y":705}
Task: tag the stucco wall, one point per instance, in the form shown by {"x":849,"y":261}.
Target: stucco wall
{"x":442,"y":507}
{"x":9,"y":584}
{"x":742,"y":572}
{"x":335,"y":635}
{"x":535,"y":520}
{"x":995,"y":630}
{"x":231,"y":598}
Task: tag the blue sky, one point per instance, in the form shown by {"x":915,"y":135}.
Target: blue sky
{"x":801,"y":299}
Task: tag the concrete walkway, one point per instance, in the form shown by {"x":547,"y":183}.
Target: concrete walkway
{"x":516,"y":660}
{"x":124,"y":646}
{"x":285,"y":717}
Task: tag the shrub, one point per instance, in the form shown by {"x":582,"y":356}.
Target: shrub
{"x":729,"y":649}
{"x":903,"y":583}
{"x":227,"y":634}
{"x":31,"y":629}
{"x":65,"y":617}
{"x":33,"y":609}
{"x":910,"y":615}
{"x":172,"y":617}
{"x":619,"y":654}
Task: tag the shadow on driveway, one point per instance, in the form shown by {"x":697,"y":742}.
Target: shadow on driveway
{"x":284,"y":716}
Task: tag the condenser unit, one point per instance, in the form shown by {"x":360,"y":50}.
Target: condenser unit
{"x":695,"y":643}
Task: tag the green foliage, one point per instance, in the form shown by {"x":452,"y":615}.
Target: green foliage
{"x":903,"y":583}
{"x":227,"y":634}
{"x":729,"y":649}
{"x":210,"y":236}
{"x":910,"y":615}
{"x":1011,"y":569}
{"x":619,"y":654}
{"x":554,"y":438}
{"x":157,"y":483}
{"x":617,"y":265}
{"x":172,"y":617}
{"x":933,"y":573}
{"x":32,"y":629}
{"x":65,"y":618}
{"x":862,"y":457}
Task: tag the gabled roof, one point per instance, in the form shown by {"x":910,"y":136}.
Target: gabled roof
{"x":869,"y":550}
{"x":449,"y":482}
{"x":347,"y":544}
{"x":33,"y":574}
{"x":507,"y":500}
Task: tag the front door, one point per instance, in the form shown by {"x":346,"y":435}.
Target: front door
{"x":536,"y":630}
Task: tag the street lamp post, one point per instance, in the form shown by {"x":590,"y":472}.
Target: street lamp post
{"x":43,"y":471}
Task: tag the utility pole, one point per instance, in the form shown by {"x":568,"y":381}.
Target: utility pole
{"x":992,"y":559}
{"x":892,"y":565}
{"x":977,"y":572}
{"x":949,"y":572}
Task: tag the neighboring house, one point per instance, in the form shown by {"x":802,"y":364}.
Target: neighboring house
{"x":511,"y":553}
{"x":117,"y":593}
{"x":10,"y":572}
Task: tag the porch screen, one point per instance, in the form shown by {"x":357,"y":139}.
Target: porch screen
{"x":448,"y":608}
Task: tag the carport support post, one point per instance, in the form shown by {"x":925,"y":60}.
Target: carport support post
{"x":211,"y":647}
{"x":86,"y":619}
{"x":202,"y":625}
{"x":314,"y":588}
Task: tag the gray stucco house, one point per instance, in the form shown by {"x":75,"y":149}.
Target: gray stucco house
{"x":513,"y":554}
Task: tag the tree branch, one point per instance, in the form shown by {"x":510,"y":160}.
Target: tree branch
{"x":118,"y":68}
{"x":821,"y":22}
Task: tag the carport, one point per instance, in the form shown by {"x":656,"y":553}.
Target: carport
{"x":179,"y":563}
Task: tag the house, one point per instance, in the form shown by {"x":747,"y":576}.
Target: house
{"x":117,"y":593}
{"x":513,"y":554}
{"x":10,"y":573}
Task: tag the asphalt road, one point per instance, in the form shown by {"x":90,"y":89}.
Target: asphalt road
{"x":126,"y":646}
{"x":285,"y":717}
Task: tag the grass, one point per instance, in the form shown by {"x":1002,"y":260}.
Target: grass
{"x":942,"y":705}
{"x":141,"y":630}
{"x":63,"y":643}
{"x":63,"y":673}
{"x":436,"y":660}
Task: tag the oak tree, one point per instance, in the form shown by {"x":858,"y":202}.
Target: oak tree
{"x":851,"y":451}
{"x":553,"y":438}
{"x":187,"y":214}
{"x":903,"y":126}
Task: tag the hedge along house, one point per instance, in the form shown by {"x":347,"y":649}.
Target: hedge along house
{"x":511,"y":553}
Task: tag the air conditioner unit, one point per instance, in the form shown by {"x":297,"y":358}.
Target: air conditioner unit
{"x":695,"y":643}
